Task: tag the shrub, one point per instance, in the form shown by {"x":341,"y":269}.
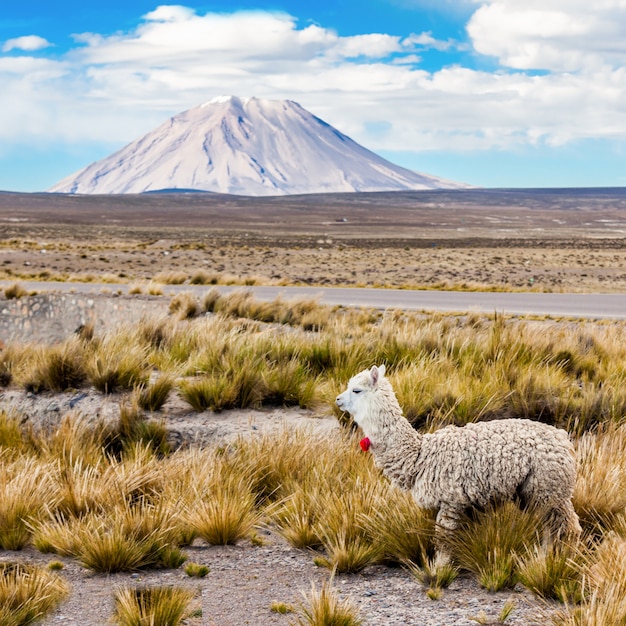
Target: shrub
{"x":324,"y":607}
{"x":14,"y":291}
{"x":28,"y":593}
{"x":57,"y":368}
{"x":152,"y":396}
{"x":487,"y":545}
{"x":184,"y":306}
{"x":162,"y":606}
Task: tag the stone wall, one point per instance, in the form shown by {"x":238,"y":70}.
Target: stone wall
{"x":52,"y":317}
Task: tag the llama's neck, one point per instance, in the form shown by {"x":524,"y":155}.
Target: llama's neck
{"x":396,"y":445}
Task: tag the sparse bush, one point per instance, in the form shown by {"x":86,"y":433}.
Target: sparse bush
{"x":152,"y":396}
{"x":28,"y":593}
{"x":14,"y":291}
{"x":184,"y":306}
{"x":324,"y":607}
{"x":487,"y":545}
{"x":57,"y":368}
{"x":161,"y":606}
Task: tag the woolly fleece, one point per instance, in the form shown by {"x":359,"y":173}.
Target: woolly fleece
{"x":456,"y":468}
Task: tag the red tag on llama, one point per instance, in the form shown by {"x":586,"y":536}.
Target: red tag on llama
{"x":365,"y":444}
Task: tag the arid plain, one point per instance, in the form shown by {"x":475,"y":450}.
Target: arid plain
{"x":560,"y":240}
{"x":547,"y":240}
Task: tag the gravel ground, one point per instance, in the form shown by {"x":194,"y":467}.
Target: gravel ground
{"x":244,"y":580}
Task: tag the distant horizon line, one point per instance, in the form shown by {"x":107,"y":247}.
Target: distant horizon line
{"x":473,"y":189}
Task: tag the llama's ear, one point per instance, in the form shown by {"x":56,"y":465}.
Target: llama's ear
{"x":377,"y":373}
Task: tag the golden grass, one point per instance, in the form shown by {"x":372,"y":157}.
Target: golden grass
{"x":14,"y":291}
{"x":488,"y":544}
{"x":600,"y":494}
{"x":90,"y":485}
{"x":324,"y":607}
{"x":28,"y":593}
{"x":445,"y":369}
{"x":222,"y":510}
{"x":166,"y":606}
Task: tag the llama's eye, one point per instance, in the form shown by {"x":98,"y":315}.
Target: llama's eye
{"x":357,"y":390}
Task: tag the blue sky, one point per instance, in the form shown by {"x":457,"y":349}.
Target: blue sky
{"x":495,"y":93}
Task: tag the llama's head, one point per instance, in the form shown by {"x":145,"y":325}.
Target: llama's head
{"x":368,"y":397}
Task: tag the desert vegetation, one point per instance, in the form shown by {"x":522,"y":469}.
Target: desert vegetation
{"x":146,"y":263}
{"x":117,"y":496}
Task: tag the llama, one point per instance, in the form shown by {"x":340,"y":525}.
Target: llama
{"x":454,"y":468}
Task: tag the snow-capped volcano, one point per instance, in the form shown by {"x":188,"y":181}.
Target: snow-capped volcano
{"x":245,"y":146}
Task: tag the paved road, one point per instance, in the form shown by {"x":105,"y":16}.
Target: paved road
{"x":611,"y":306}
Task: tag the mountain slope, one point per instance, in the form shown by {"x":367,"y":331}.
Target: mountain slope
{"x":247,"y":146}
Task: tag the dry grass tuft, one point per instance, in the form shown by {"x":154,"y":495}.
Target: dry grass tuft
{"x":152,"y":396}
{"x":118,"y":362}
{"x":184,"y":306}
{"x":552,"y":572}
{"x":223,"y":511}
{"x":487,"y":545}
{"x":28,"y":593}
{"x":324,"y":607}
{"x":158,"y":606}
{"x":170,"y":278}
{"x":601,"y":461}
{"x":26,"y":489}
{"x":57,"y":368}
{"x":14,"y":291}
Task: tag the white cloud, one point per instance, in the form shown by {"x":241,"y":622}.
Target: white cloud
{"x":27,"y":43}
{"x":426,"y":40}
{"x":112,"y":89}
{"x":557,"y":35}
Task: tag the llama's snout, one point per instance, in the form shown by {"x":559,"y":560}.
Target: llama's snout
{"x":340,"y":401}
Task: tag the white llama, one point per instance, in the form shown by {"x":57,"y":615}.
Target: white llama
{"x":455,"y":468}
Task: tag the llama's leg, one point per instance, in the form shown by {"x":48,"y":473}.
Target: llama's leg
{"x":562,"y":521}
{"x":448,"y":520}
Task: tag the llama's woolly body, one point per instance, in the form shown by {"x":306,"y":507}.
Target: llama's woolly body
{"x":457,"y":468}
